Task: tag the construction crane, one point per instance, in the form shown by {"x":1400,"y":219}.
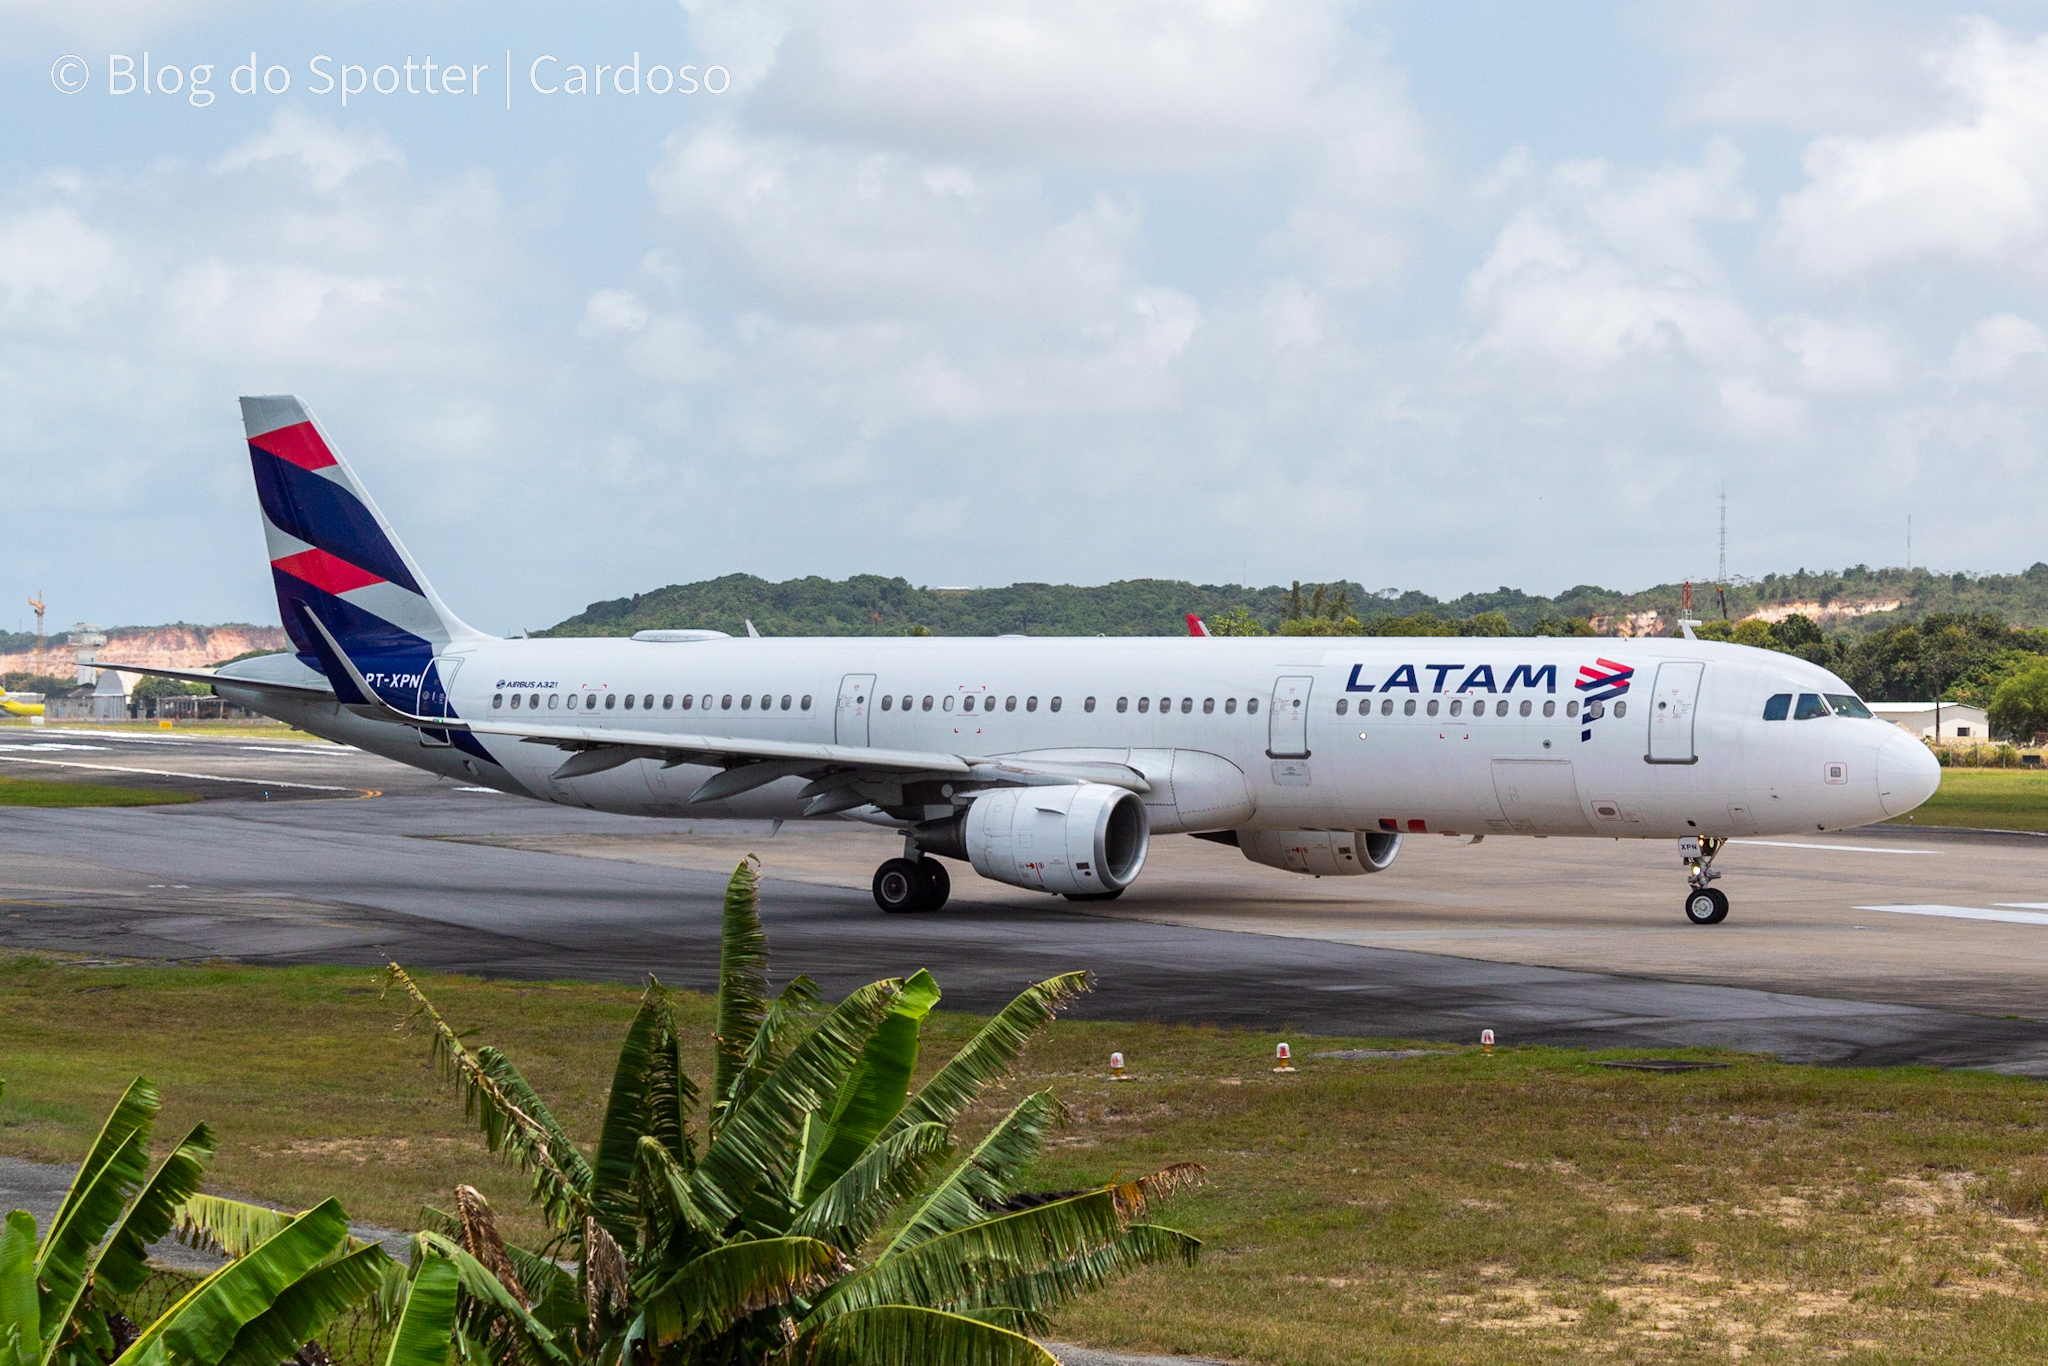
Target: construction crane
{"x":37,"y":603}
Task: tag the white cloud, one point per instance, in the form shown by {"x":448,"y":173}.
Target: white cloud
{"x":1988,"y":352}
{"x":1970,"y":188}
{"x":328,"y":155}
{"x":1843,"y":359}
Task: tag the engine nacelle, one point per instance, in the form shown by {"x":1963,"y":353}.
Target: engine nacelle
{"x":1321,"y":853}
{"x":1080,"y":840}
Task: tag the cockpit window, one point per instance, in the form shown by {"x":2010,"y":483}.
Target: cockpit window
{"x":1779,"y":707}
{"x":1846,"y":704}
{"x":1809,"y":707}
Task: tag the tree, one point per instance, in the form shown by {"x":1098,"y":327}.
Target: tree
{"x":2019,"y":707}
{"x":287,"y":1277}
{"x":825,"y":1214}
{"x":1236,"y":622}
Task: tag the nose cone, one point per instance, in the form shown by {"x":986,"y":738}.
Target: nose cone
{"x":1907,"y":774}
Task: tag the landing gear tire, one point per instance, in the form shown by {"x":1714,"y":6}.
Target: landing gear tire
{"x":1706,"y":906}
{"x":1093,"y":896}
{"x":938,"y":882}
{"x":900,"y":887}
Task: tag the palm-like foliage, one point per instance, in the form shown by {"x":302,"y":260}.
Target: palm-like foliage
{"x":287,"y":1277}
{"x":824,"y":1212}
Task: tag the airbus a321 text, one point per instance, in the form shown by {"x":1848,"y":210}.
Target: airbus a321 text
{"x":1050,"y":763}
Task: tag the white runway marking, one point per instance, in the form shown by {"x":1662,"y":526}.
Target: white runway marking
{"x":1842,"y":848}
{"x":48,"y":748}
{"x":2025,"y":905}
{"x":2009,"y":917}
{"x":163,"y":773}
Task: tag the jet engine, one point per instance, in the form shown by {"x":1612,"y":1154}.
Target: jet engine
{"x":1082,"y":841}
{"x":1321,"y":853}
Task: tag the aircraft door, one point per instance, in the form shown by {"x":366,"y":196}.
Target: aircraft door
{"x":1674,"y":705}
{"x":1287,"y":724}
{"x":433,"y":697}
{"x":856,"y":701}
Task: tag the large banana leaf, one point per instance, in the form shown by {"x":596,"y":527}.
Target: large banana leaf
{"x":202,"y":1328}
{"x":426,"y":1326}
{"x":742,"y":977}
{"x":122,"y":1264}
{"x":626,"y":1117}
{"x":985,"y":1178}
{"x":302,"y":1310}
{"x":233,"y":1228}
{"x":504,"y":1323}
{"x":21,"y":1331}
{"x":847,"y":1212}
{"x":113,"y":1171}
{"x":953,"y":1269}
{"x":671,"y":1095}
{"x":989,"y":1055}
{"x":755,"y":1148}
{"x":874,"y":1091}
{"x":1024,"y":1302}
{"x":516,"y":1088}
{"x":910,"y":1333}
{"x":788,"y":1020}
{"x":667,"y":1189}
{"x":709,"y":1294}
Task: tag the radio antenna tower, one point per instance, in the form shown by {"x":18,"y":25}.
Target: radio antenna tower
{"x":1722,"y":577}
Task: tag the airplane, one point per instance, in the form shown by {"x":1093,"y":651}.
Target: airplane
{"x":21,"y":704}
{"x":1050,"y":763}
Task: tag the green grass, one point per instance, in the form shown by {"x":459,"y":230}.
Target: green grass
{"x":1454,"y":1208}
{"x":1985,"y":799}
{"x":44,"y":792}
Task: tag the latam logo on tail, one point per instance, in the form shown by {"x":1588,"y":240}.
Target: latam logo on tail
{"x":1602,"y":681}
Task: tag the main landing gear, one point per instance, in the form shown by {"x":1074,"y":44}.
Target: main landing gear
{"x":1704,"y":904}
{"x":905,"y":886}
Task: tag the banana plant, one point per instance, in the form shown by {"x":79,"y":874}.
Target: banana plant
{"x":810,"y":1207}
{"x":287,"y":1276}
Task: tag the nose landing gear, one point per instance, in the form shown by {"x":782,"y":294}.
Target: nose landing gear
{"x":1704,"y":904}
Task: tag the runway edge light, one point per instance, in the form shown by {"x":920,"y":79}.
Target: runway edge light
{"x":1285,"y":1056}
{"x":1486,"y":1041}
{"x":1116,"y":1067}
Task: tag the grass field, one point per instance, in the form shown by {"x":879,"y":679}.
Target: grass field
{"x":1986,"y":799}
{"x":40,"y":792}
{"x":1450,"y":1208}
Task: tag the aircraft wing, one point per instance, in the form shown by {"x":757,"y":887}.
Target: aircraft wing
{"x":842,"y":777}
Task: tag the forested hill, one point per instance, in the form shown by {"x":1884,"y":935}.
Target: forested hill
{"x":1854,"y":599}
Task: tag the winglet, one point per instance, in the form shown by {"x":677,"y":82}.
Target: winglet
{"x":1196,"y":626}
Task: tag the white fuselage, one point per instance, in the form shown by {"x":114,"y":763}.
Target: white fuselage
{"x":1474,"y":736}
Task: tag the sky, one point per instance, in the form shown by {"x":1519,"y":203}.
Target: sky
{"x":1423,"y":295}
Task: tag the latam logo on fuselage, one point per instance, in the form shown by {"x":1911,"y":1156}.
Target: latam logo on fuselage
{"x":1601,"y":681}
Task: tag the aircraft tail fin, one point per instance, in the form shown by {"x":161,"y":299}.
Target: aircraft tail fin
{"x":333,"y":554}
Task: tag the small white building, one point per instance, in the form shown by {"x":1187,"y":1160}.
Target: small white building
{"x":1919,"y":719}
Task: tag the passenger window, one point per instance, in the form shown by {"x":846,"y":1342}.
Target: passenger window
{"x":1054,"y":704}
{"x":1251,"y":706}
{"x":572,"y":701}
{"x":928,"y":702}
{"x":1432,"y":706}
{"x":1620,"y":710}
{"x":888,"y":702}
{"x":1208,"y":705}
{"x":668,"y":701}
{"x":1595,"y":710}
{"x":688,"y":698}
{"x":746,"y":701}
{"x":805,"y":703}
{"x":1387,"y":706}
{"x":1144,"y":704}
{"x":497,"y":700}
{"x":629,"y":701}
{"x":785,"y":701}
{"x":706,"y":704}
{"x":725,"y":702}
{"x":1230,"y":706}
{"x":1549,"y":708}
{"x":611,"y":700}
{"x":1571,"y":708}
{"x":647,"y":702}
{"x":1500,"y":708}
{"x":554,"y":701}
{"x":946,"y":703}
{"x":1526,"y":708}
{"x":515,"y":701}
{"x":1343,"y":705}
{"x":590,"y":702}
{"x":1809,"y":706}
{"x":967,"y":702}
{"x":1010,"y":704}
{"x":1031,"y":704}
{"x":1123,"y":704}
{"x":1456,"y":706}
{"x":907,"y":700}
{"x":1845,"y":705}
{"x":1088,"y":704}
{"x":1408,"y":707}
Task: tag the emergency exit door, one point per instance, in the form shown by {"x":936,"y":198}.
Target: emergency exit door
{"x":1674,"y":705}
{"x":856,"y":701}
{"x":1287,"y":724}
